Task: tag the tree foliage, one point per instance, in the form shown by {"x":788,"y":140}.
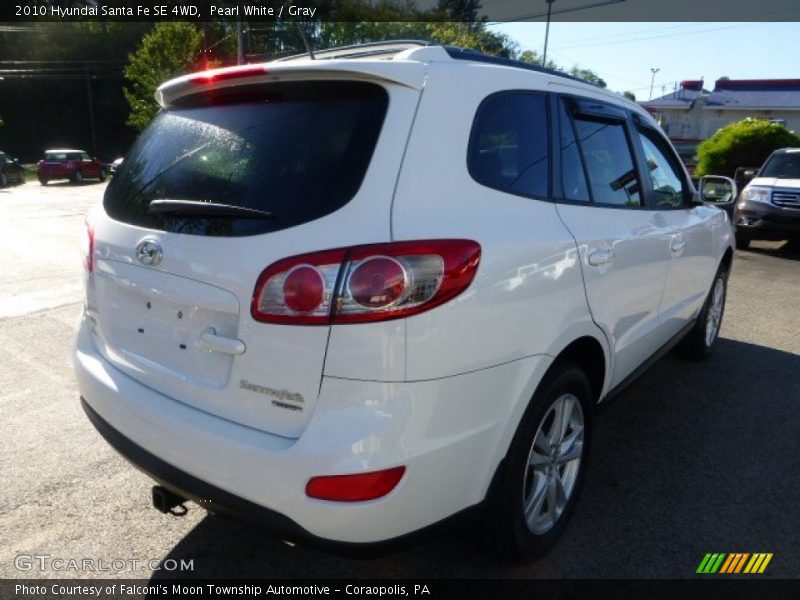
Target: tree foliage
{"x":171,"y":49}
{"x":588,"y":76}
{"x":746,"y":143}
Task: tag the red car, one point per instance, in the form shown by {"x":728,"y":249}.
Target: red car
{"x":75,"y":165}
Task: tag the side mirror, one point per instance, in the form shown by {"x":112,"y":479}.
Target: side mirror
{"x":716,"y":189}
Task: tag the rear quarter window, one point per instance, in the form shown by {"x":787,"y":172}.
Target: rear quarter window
{"x":508,"y":148}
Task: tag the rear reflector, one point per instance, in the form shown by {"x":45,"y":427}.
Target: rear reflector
{"x":364,"y":283}
{"x":354,"y":488}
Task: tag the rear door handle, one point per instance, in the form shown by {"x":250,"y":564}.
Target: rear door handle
{"x":601,"y":256}
{"x":677,"y":244}
{"x":211,"y":342}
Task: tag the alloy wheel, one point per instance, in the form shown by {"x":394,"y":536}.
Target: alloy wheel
{"x":714,"y":316}
{"x":553,"y":464}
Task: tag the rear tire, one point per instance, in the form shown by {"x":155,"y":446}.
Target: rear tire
{"x":545,"y":466}
{"x":42,"y":180}
{"x":742,"y":241}
{"x":702,"y":339}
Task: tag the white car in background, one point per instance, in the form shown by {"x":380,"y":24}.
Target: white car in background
{"x":355,"y":297}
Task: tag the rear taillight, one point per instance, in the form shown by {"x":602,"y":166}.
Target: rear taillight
{"x":87,"y":246}
{"x":365,"y":283}
{"x":354,"y":488}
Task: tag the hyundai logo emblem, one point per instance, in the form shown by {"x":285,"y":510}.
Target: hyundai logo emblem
{"x":149,"y":252}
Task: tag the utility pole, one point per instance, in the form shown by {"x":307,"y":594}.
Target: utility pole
{"x":652,"y":81}
{"x":547,"y":31}
{"x":91,"y":111}
{"x":239,"y":44}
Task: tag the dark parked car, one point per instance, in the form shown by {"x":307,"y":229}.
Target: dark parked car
{"x":75,"y":165}
{"x":11,"y":172}
{"x":769,"y":207}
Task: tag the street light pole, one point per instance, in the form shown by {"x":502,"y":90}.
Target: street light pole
{"x":652,"y":81}
{"x":547,"y":31}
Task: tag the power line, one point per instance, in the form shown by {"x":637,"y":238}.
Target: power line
{"x":653,"y":37}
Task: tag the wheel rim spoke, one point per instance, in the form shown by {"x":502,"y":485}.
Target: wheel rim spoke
{"x":560,"y":500}
{"x":533,"y":508}
{"x":573,"y":452}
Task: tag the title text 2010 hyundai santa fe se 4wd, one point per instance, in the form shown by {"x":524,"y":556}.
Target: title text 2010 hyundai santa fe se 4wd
{"x":355,"y":297}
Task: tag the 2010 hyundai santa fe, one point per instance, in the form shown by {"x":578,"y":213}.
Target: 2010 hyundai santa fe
{"x":353,"y":297}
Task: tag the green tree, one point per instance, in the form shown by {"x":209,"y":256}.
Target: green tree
{"x":587,"y":75}
{"x":745,"y":143}
{"x":169,"y":50}
{"x":530,"y":56}
{"x":473,"y":36}
{"x":630,"y":96}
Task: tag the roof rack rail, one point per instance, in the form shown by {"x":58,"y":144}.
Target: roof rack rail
{"x":361,"y":50}
{"x":475,"y":55}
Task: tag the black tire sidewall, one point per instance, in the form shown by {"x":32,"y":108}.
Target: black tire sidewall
{"x":742,"y":241}
{"x":519,"y":540}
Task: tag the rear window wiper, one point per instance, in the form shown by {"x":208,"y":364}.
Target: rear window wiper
{"x":206,"y":209}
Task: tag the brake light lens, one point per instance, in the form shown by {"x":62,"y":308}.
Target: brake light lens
{"x":377,"y":282}
{"x":365,"y":283}
{"x":227,"y":73}
{"x":298,"y":290}
{"x":355,"y":488}
{"x":304,"y":289}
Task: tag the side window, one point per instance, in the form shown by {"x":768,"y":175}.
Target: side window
{"x":668,"y":186}
{"x":508,"y":149}
{"x":85,"y":156}
{"x":609,"y":162}
{"x":573,"y":178}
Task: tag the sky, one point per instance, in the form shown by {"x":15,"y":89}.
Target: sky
{"x":624,"y":53}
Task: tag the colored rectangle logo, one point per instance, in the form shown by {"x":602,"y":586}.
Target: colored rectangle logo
{"x":733,"y":563}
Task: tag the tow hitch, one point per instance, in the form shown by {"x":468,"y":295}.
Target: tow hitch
{"x":166,"y":501}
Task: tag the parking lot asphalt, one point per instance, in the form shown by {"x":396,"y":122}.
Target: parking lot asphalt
{"x":692,"y":458}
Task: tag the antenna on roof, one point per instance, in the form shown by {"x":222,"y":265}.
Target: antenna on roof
{"x":305,"y":41}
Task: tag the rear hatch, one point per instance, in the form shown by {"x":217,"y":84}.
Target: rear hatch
{"x":315,"y":161}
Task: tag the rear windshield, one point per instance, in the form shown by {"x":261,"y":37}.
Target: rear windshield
{"x":782,"y":166}
{"x":298,"y":151}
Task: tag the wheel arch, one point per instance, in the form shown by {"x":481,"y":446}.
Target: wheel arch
{"x":590,"y":356}
{"x":727,"y":259}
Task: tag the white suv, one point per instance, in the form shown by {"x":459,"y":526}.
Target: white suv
{"x":355,"y":296}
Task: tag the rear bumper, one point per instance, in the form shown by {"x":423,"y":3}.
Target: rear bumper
{"x":450,"y":434}
{"x":757,"y":220}
{"x":55,"y":172}
{"x":218,"y":501}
